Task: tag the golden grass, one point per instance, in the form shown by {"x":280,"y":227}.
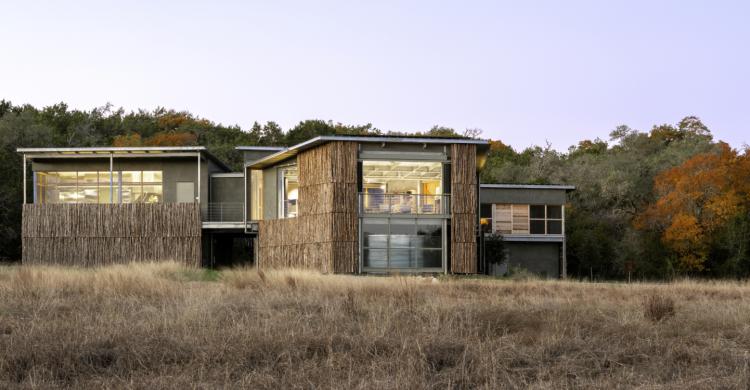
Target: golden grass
{"x":164,"y":326}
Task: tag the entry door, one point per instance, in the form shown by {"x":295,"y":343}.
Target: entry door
{"x":185,"y":192}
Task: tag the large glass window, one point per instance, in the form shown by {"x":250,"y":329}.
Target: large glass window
{"x":98,"y":187}
{"x":289,"y":191}
{"x":402,"y":243}
{"x":402,"y":187}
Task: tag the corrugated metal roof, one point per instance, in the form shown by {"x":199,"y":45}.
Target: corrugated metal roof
{"x":294,"y":150}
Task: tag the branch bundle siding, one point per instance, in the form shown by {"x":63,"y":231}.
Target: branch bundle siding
{"x":463,"y":209}
{"x":102,"y":234}
{"x":324,"y":234}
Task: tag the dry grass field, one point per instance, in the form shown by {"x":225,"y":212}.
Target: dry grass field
{"x":162,"y":326}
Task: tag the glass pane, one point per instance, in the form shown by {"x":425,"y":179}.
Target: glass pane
{"x":554,"y":212}
{"x":152,"y":176}
{"x":69,"y":178}
{"x":485,"y":210}
{"x":131,"y":194}
{"x":554,"y":227}
{"x":88,"y":194}
{"x":88,"y":178}
{"x":375,"y":233}
{"x":131,"y":177}
{"x":403,"y":233}
{"x":104,"y":195}
{"x":430,"y":234}
{"x":67,"y":194}
{"x":431,"y":258}
{"x":375,"y":258}
{"x":104,"y":178}
{"x":289,"y":192}
{"x":537,"y":227}
{"x":402,"y":257}
{"x":537,"y":211}
{"x":151,"y":194}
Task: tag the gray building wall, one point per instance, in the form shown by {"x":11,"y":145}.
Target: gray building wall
{"x":270,"y":193}
{"x":522,"y":196}
{"x":541,"y":258}
{"x":227,"y":189}
{"x":254,"y":155}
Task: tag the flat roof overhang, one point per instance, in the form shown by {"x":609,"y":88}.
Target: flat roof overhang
{"x":136,"y":151}
{"x":296,"y":149}
{"x":529,"y":186}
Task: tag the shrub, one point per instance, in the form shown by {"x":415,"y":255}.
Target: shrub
{"x":658,"y":307}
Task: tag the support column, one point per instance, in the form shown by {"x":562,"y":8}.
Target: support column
{"x":24,"y":178}
{"x":198,"y":197}
{"x":564,"y":270}
{"x":111,"y":179}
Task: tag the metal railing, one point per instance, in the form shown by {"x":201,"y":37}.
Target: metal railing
{"x":370,"y":203}
{"x":224,"y":212}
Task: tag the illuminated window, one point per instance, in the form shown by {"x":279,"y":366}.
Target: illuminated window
{"x":289,"y":191}
{"x":98,"y":187}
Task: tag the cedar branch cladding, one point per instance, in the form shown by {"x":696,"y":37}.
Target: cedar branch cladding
{"x":324,"y":235}
{"x":463,"y":209}
{"x":102,"y":234}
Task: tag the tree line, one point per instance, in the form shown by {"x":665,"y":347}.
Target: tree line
{"x":650,"y":204}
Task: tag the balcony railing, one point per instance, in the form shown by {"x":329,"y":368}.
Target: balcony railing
{"x":404,"y":204}
{"x":224,"y":212}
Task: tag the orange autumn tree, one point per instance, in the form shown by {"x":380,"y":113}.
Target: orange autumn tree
{"x":695,"y":200}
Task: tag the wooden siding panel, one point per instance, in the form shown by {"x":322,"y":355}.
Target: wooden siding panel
{"x":102,"y":234}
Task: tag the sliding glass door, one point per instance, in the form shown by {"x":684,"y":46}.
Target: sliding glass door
{"x":403,"y":244}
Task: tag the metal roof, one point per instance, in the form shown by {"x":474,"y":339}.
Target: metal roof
{"x":294,"y":150}
{"x":259,"y":147}
{"x":530,"y":186}
{"x":152,"y":151}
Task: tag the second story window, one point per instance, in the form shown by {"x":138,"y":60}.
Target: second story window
{"x":97,"y":187}
{"x":402,"y":187}
{"x":521,"y":219}
{"x":289,"y":191}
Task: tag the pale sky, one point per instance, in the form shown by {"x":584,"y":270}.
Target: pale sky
{"x":523,"y":71}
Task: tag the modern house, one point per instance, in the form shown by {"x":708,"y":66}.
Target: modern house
{"x":342,"y":204}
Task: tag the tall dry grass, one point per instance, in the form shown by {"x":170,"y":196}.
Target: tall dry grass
{"x":162,"y":326}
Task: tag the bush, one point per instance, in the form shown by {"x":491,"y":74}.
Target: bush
{"x":658,"y":307}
